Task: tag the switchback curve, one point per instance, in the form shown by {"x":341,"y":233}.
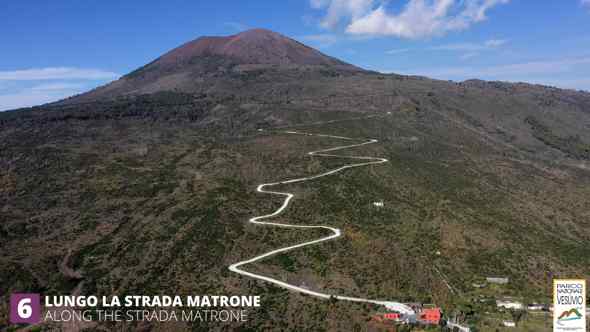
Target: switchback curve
{"x":236,"y":267}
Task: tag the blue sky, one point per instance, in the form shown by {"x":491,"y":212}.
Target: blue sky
{"x":53,"y":49}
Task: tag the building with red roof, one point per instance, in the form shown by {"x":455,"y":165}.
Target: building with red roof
{"x":430,"y":316}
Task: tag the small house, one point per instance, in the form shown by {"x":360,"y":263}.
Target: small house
{"x":509,"y":323}
{"x":430,"y":316}
{"x":497,"y":280}
{"x":509,"y":304}
{"x":537,"y":307}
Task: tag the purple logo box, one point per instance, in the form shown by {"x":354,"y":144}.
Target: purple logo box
{"x":25,"y":308}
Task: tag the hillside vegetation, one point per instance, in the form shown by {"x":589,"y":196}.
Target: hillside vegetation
{"x":149,"y":192}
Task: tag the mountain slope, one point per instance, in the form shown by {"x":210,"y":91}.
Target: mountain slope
{"x":145,"y":186}
{"x":257,"y":46}
{"x":200,"y":65}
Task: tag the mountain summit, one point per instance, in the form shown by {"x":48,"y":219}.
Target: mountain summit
{"x":256,"y":46}
{"x":208,"y":64}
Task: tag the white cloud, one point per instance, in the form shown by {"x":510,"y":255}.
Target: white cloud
{"x":418,"y":19}
{"x":536,"y":67}
{"x":470,"y":47}
{"x":338,"y":10}
{"x":398,"y":51}
{"x":57,"y":73}
{"x":458,"y":47}
{"x":496,"y":42}
{"x":29,"y":87}
{"x":552,"y":72}
{"x":32,"y":97}
{"x":468,"y":56}
{"x":322,"y":40}
{"x":317,"y":4}
{"x":57,"y":86}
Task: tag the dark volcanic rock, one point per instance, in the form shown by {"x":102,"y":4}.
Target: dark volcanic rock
{"x":256,"y":46}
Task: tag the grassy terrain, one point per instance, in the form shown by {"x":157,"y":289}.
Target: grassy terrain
{"x":150,"y":202}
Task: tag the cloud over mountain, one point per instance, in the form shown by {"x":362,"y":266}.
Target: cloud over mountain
{"x":418,"y":18}
{"x":53,"y":73}
{"x":34,"y":86}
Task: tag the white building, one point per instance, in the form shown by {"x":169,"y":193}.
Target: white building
{"x":509,"y":323}
{"x":496,"y":280}
{"x":509,"y":304}
{"x":536,"y":307}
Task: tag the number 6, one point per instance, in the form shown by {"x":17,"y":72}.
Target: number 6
{"x":24,"y":308}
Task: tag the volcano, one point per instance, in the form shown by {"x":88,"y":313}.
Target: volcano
{"x":146,"y":185}
{"x":257,"y":46}
{"x":209,"y":62}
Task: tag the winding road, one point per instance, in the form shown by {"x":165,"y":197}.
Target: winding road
{"x":391,"y":305}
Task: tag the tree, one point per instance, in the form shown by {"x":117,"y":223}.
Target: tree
{"x":517,"y":315}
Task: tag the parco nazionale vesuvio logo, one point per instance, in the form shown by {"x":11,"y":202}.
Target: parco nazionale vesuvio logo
{"x":569,"y":302}
{"x":569,"y":315}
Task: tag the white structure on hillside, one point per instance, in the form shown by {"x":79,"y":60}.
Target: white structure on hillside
{"x":496,"y":280}
{"x":509,"y":304}
{"x":459,"y":327}
{"x":509,"y":323}
{"x":536,"y":307}
{"x":379,"y":204}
